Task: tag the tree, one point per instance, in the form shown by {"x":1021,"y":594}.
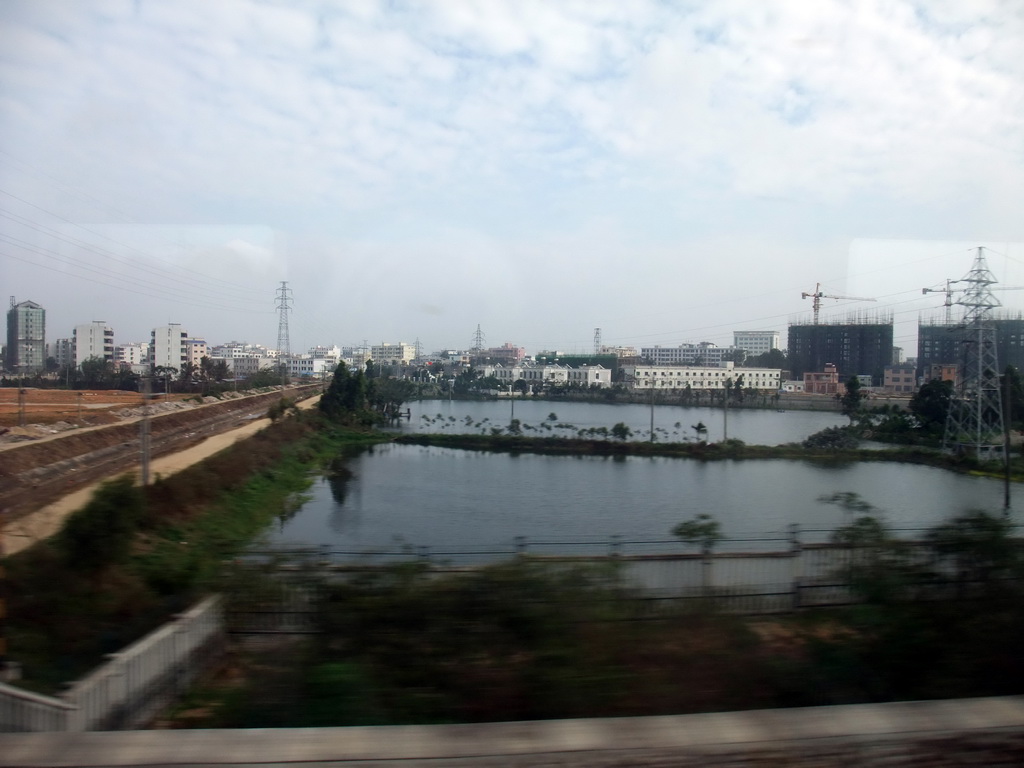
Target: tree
{"x":388,"y":395}
{"x":96,"y":373}
{"x":621,"y":432}
{"x":852,"y":400}
{"x":930,"y":404}
{"x":773,"y":358}
{"x":702,"y":530}
{"x":347,"y":394}
{"x":1014,"y":407}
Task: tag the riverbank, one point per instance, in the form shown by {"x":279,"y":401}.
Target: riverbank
{"x":729,"y":449}
{"x":66,"y":612}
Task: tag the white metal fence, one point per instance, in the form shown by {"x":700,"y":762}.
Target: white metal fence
{"x":131,"y":687}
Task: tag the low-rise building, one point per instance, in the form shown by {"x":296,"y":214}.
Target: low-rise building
{"x":755,"y":342}
{"x":195,"y":350}
{"x":679,"y":377}
{"x":822,"y":382}
{"x":703,"y":354}
{"x":386,"y":353}
{"x":900,"y":379}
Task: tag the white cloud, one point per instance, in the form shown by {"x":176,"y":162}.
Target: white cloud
{"x":522,"y":139}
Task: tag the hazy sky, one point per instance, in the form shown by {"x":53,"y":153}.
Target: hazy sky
{"x":666,"y":171}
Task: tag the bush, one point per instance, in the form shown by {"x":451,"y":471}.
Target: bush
{"x":833,"y":438}
{"x":100,"y":534}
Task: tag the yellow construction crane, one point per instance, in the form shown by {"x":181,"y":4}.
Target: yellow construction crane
{"x":818,"y":295}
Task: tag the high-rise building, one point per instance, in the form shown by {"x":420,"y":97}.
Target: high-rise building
{"x":854,"y":348}
{"x":95,"y":339}
{"x":939,"y":345}
{"x":26,"y":337}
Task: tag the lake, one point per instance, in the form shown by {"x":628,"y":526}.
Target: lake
{"x":453,"y":501}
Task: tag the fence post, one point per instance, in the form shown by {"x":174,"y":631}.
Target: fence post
{"x":797,"y":554}
{"x":520,"y":545}
{"x":707,"y":563}
{"x":615,"y":546}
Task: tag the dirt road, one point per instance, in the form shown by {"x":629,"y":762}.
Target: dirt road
{"x":45,"y":522}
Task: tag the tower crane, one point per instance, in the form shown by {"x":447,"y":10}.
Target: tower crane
{"x":818,"y":295}
{"x":949,"y":290}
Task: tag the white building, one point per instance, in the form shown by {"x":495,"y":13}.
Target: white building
{"x":133,"y":354}
{"x":309,"y":366}
{"x":168,"y":347}
{"x":756,"y":342}
{"x":238,"y":349}
{"x":393,"y":354}
{"x":553,"y":373}
{"x":95,"y":339}
{"x":700,"y":377}
{"x":704,"y":353}
{"x":249,"y":366}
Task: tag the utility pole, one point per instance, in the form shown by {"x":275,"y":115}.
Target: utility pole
{"x":144,"y":430}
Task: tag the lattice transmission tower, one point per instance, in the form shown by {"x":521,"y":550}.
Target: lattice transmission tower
{"x":478,"y":340}
{"x":597,"y":341}
{"x":974,"y":423}
{"x":284,"y":306}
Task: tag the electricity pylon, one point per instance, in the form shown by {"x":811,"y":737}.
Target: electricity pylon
{"x":284,"y":345}
{"x":974,"y":423}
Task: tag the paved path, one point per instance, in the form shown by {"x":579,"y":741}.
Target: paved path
{"x":45,"y":522}
{"x":987,"y":731}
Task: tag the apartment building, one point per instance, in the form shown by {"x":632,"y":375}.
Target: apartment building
{"x":168,"y":347}
{"x":89,"y":340}
{"x":393,"y":354}
{"x":26,"y":337}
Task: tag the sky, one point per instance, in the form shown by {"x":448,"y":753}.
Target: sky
{"x":667,"y":172}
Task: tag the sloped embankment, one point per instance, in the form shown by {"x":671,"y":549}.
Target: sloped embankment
{"x":37,"y":473}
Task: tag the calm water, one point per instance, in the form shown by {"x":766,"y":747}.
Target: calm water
{"x":455,"y":501}
{"x":672,"y":423}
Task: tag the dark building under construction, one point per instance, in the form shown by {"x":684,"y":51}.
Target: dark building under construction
{"x":942,"y":344}
{"x":856,"y":348}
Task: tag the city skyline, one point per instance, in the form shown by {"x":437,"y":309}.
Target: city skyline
{"x":666,"y":174}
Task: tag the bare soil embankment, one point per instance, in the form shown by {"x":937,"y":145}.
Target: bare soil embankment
{"x":37,"y":472}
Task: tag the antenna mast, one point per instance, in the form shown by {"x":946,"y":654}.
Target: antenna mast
{"x":974,"y":423}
